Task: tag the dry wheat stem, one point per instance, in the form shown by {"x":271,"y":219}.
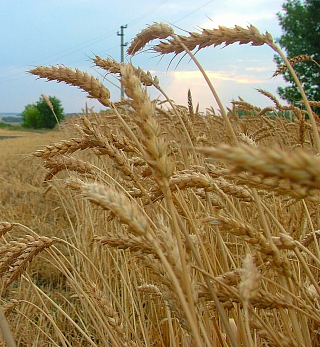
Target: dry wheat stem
{"x":99,"y":275}
{"x":42,"y":293}
{"x":94,"y":312}
{"x":182,"y":256}
{"x":212,"y":291}
{"x":50,"y":319}
{"x":5,"y":330}
{"x":213,"y":91}
{"x":278,"y":338}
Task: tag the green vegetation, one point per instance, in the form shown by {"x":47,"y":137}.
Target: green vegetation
{"x":300,"y":39}
{"x":11,"y":127}
{"x":11,"y":119}
{"x":43,"y":114}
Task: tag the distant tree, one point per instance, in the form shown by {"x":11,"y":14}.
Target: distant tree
{"x":40,"y":114}
{"x":30,"y":116}
{"x":300,"y":23}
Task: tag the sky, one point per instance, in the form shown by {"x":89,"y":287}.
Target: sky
{"x":72,"y":32}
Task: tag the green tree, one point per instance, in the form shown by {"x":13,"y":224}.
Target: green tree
{"x":40,"y":114}
{"x":30,"y":116}
{"x":300,"y":23}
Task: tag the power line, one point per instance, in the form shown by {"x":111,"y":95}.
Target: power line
{"x":86,"y":43}
{"x":189,"y":14}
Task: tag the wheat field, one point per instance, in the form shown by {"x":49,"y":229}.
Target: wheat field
{"x":155,"y":224}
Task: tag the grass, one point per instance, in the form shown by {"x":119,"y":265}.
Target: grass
{"x":153,"y":226}
{"x":10,"y":126}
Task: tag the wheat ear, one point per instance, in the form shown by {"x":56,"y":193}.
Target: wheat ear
{"x":299,"y":166}
{"x":293,"y":61}
{"x":114,"y":67}
{"x":16,"y":255}
{"x":49,"y":103}
{"x":58,"y":163}
{"x":118,"y":203}
{"x":152,"y":32}
{"x":77,"y":78}
{"x":63,"y":147}
{"x":209,"y":37}
{"x":155,"y":146}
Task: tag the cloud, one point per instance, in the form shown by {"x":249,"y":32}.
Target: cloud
{"x":195,"y":77}
{"x":228,"y":85}
{"x":258,"y":69}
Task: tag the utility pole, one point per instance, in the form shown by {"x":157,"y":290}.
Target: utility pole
{"x":122,"y":45}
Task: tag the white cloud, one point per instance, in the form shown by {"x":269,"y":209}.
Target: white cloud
{"x":228,"y":85}
{"x":195,"y":77}
{"x":258,"y":69}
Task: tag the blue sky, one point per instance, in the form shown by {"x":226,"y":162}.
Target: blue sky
{"x":70,"y":32}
